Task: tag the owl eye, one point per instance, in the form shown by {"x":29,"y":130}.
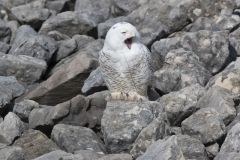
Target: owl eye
{"x":124,"y":32}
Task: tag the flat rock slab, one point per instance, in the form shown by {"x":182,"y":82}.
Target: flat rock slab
{"x":35,"y":144}
{"x":122,"y":121}
{"x":73,"y":138}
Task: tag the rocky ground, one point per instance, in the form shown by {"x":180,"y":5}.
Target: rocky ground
{"x":52,"y":96}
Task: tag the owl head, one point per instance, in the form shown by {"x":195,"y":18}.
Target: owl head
{"x":122,"y":35}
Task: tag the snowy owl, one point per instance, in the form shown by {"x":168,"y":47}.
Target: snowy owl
{"x":125,"y":63}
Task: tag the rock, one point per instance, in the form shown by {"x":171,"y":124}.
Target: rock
{"x":12,"y":3}
{"x":4,"y":48}
{"x":228,"y":78}
{"x":11,"y":153}
{"x":58,"y":88}
{"x":212,"y":150}
{"x":46,"y":116}
{"x":57,"y":36}
{"x":203,"y":23}
{"x":228,"y":156}
{"x":83,"y":155}
{"x":13,"y":25}
{"x":10,"y":88}
{"x":157,"y":129}
{"x":73,"y":138}
{"x":166,"y":149}
{"x":26,"y":69}
{"x":5,"y":32}
{"x":68,"y":23}
{"x":205,"y":125}
{"x":35,"y":144}
{"x":231,"y":142}
{"x":234,"y":41}
{"x":116,"y":157}
{"x":221,"y":100}
{"x":235,"y":121}
{"x":54,"y":155}
{"x":175,"y":130}
{"x":101,"y":8}
{"x":33,"y":13}
{"x":122,"y":121}
{"x":207,"y":45}
{"x":23,"y":109}
{"x":181,"y":104}
{"x":83,"y":41}
{"x":11,"y":128}
{"x":28,"y":42}
{"x":66,"y":47}
{"x":58,"y":5}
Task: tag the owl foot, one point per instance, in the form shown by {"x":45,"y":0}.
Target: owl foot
{"x":116,"y":96}
{"x":134,"y":96}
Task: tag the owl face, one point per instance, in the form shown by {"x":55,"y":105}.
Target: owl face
{"x":122,"y":35}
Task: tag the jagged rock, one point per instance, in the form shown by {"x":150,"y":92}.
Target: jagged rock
{"x":11,"y":153}
{"x":57,"y":36}
{"x":181,"y":104}
{"x":11,"y":128}
{"x":26,"y":69}
{"x":72,"y":138}
{"x":229,"y":78}
{"x":32,"y":13}
{"x":23,"y":108}
{"x":205,"y":125}
{"x":221,"y":100}
{"x":101,"y":8}
{"x":234,"y":41}
{"x":122,"y":121}
{"x":28,"y":42}
{"x":231,"y":142}
{"x":12,"y":3}
{"x":175,"y":130}
{"x":46,"y":116}
{"x":9,"y":89}
{"x":235,"y":121}
{"x":203,"y":23}
{"x":5,"y":32}
{"x":166,"y":149}
{"x":228,"y":156}
{"x":207,"y":45}
{"x":65,"y":83}
{"x":66,"y":47}
{"x":83,"y":41}
{"x":54,"y":155}
{"x":58,"y":5}
{"x":116,"y":157}
{"x":13,"y":25}
{"x":212,"y":150}
{"x":68,"y":23}
{"x":157,"y":129}
{"x":35,"y":144}
{"x":4,"y":48}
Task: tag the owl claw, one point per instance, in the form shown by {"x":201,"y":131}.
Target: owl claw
{"x":133,"y":96}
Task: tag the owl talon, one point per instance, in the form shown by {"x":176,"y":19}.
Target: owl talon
{"x":133,"y":96}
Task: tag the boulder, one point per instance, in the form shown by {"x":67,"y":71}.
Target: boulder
{"x":4,"y":47}
{"x":54,"y":155}
{"x":11,"y":153}
{"x":73,"y":138}
{"x":66,"y":48}
{"x":228,"y":156}
{"x":5,"y":32}
{"x":212,"y":150}
{"x":116,"y":157}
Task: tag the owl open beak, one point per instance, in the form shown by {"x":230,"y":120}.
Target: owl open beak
{"x":129,"y":42}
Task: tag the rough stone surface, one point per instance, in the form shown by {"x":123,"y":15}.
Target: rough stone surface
{"x":11,"y":153}
{"x":228,"y":156}
{"x":54,"y":155}
{"x":11,"y":128}
{"x":66,"y":48}
{"x":212,"y":150}
{"x":34,"y":144}
{"x":205,"y":125}
{"x":5,"y":32}
{"x":181,"y":104}
{"x":4,"y":48}
{"x":122,"y":121}
{"x":116,"y":157}
{"x":73,"y":138}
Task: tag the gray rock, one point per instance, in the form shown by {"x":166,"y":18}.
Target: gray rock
{"x":234,"y":41}
{"x":203,"y":23}
{"x":33,"y":13}
{"x":166,"y":149}
{"x":207,"y":45}
{"x":4,"y":48}
{"x":66,"y":47}
{"x":72,"y":138}
{"x":231,"y":142}
{"x":83,"y":155}
{"x":83,"y":41}
{"x":28,"y":42}
{"x":228,"y":156}
{"x":157,"y":129}
{"x":221,"y":100}
{"x":235,"y":121}
{"x":205,"y":125}
{"x":54,"y":155}
{"x":58,"y":5}
{"x":57,"y":36}
{"x":10,"y":88}
{"x":12,"y":3}
{"x":212,"y":150}
{"x":26,"y":69}
{"x":68,"y":23}
{"x":122,"y":121}
{"x":13,"y":25}
{"x":101,"y":8}
{"x":11,"y":153}
{"x":181,"y":104}
{"x":175,"y":130}
{"x":5,"y":32}
{"x":11,"y":128}
{"x":116,"y":157}
{"x":47,"y":116}
{"x":34,"y":144}
{"x":23,"y":108}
